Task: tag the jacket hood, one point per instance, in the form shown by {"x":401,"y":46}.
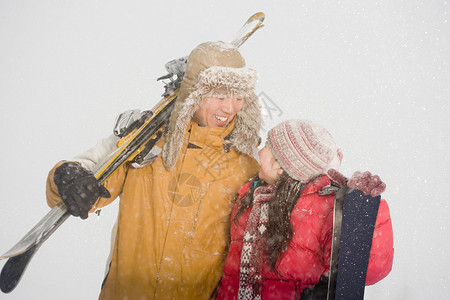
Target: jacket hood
{"x":215,"y":69}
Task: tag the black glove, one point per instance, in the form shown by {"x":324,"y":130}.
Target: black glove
{"x":78,"y":188}
{"x":317,"y":292}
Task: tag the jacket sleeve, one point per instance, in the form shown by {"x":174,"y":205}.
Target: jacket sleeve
{"x":113,"y":184}
{"x":382,"y":251}
{"x":96,"y":154}
{"x":51,"y":190}
{"x":89,"y":160}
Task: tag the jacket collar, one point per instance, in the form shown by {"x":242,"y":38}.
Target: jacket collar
{"x":313,"y":187}
{"x":316,"y":185}
{"x":206,"y":135}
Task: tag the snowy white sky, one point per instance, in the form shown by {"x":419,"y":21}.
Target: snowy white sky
{"x":375,"y":73}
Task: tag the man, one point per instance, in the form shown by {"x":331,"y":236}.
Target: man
{"x":173,"y":223}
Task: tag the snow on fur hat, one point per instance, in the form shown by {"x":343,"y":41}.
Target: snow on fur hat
{"x":303,"y":149}
{"x":213,"y":69}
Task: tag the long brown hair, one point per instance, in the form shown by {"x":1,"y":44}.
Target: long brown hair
{"x":287,"y":191}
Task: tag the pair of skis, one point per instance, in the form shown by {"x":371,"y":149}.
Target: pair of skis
{"x":140,"y":140}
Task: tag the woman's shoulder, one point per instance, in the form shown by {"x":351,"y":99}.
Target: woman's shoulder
{"x":311,"y":201}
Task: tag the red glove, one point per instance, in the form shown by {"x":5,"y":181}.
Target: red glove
{"x":366,"y":182}
{"x":337,"y":177}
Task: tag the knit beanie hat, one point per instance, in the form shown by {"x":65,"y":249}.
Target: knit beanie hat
{"x":303,"y":149}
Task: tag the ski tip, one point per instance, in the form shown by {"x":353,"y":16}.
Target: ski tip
{"x":14,"y":269}
{"x":8,"y":287}
{"x":10,"y":254}
{"x":249,"y":28}
{"x":16,"y":250}
{"x":260,"y":16}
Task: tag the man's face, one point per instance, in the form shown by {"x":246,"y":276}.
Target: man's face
{"x":218,"y":112}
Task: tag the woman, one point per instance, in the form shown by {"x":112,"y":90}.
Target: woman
{"x":282,"y":222}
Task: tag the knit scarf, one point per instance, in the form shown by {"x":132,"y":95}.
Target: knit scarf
{"x":252,"y":256}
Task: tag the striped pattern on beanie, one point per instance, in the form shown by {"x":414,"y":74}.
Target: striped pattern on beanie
{"x":303,"y":149}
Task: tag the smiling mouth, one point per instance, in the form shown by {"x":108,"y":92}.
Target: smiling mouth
{"x":221,"y":119}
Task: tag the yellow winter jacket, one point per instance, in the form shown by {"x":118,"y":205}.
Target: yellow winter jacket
{"x":173,"y":226}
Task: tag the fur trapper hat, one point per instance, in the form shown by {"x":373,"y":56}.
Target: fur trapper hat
{"x":215,"y":69}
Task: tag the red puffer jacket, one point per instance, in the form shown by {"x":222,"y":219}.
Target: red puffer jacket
{"x":308,"y":255}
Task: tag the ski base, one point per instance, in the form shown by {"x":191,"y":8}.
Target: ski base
{"x":14,"y":269}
